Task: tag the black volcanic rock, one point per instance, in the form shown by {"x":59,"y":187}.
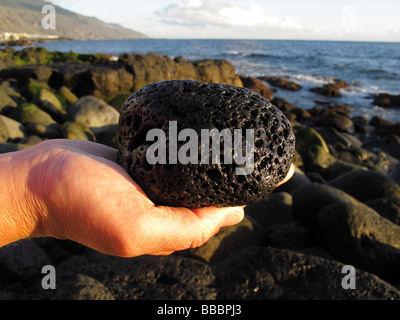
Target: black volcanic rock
{"x":198,"y":105}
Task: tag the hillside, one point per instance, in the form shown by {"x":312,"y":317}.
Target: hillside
{"x":25,"y":16}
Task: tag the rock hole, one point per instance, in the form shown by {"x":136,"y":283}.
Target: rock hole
{"x":213,"y":174}
{"x":259,"y":143}
{"x":137,"y":122}
{"x":139,"y":138}
{"x":128,"y":121}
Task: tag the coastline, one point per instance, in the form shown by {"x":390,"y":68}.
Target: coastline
{"x":342,"y":207}
{"x":369,"y":68}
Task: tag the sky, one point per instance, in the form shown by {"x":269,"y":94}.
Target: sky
{"x":348,"y":20}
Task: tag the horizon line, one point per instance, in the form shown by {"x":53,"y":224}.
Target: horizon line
{"x":243,"y":39}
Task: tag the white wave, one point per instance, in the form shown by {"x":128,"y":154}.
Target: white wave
{"x":314,"y":79}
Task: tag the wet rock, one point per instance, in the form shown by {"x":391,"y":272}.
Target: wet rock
{"x":108,"y":138}
{"x":30,"y":113}
{"x":395,"y":173}
{"x":386,"y":100}
{"x":316,"y":177}
{"x":387,"y":130}
{"x":388,"y":208}
{"x":21,"y":73}
{"x":307,"y":137}
{"x":22,"y":261}
{"x":301,"y":114}
{"x":67,"y":94}
{"x":43,"y":131}
{"x":107,"y":81}
{"x":297,"y":160}
{"x":11,"y":130}
{"x":6,"y":100}
{"x":361,"y":124}
{"x":257,"y":86}
{"x":11,"y":147}
{"x":309,"y":200}
{"x":281,"y":82}
{"x":153,"y":67}
{"x":229,"y":239}
{"x":283,"y":104}
{"x":377,"y":121}
{"x":366,"y":185}
{"x":31,"y":88}
{"x":149,"y":68}
{"x":100,"y":80}
{"x":32,"y":140}
{"x":76,"y":130}
{"x":334,"y":137}
{"x":339,"y":122}
{"x":316,"y":251}
{"x":318,"y":159}
{"x":358,"y":235}
{"x":118,"y":101}
{"x":331,"y":89}
{"x":82,"y":287}
{"x":264,"y":273}
{"x":335,"y":115}
{"x":217,"y":71}
{"x":198,"y":105}
{"x":146,"y":277}
{"x":49,"y":103}
{"x":378,"y":161}
{"x":93,"y":112}
{"x":292,"y":235}
{"x":389,"y":144}
{"x":292,"y":111}
{"x":324,"y":163}
{"x":274,"y":209}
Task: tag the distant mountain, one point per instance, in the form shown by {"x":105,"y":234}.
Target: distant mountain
{"x":25,"y":16}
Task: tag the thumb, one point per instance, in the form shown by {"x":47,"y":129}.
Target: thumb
{"x":225,"y":216}
{"x":174,"y":229}
{"x":211,"y":219}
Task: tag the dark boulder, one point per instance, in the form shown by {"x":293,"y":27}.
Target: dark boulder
{"x":386,"y":100}
{"x":262,"y":273}
{"x":366,"y":185}
{"x":331,"y":89}
{"x":257,"y":86}
{"x":282,"y":83}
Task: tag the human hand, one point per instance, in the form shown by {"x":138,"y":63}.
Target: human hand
{"x":75,"y":190}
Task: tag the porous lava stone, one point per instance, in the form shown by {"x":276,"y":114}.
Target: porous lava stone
{"x":198,"y":105}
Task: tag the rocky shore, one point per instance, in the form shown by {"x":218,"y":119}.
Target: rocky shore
{"x":342,"y":207}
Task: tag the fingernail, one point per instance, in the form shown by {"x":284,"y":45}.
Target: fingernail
{"x":232,"y":218}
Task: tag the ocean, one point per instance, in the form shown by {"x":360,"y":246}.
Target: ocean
{"x":370,"y":68}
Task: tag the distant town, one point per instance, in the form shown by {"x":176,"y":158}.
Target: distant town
{"x":11,"y":36}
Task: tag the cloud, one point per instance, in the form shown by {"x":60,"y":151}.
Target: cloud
{"x":204,"y":13}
